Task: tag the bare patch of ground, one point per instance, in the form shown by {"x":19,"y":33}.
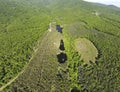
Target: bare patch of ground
{"x":86,"y":49}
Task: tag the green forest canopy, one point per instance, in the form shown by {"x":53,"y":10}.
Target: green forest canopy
{"x":22,"y":23}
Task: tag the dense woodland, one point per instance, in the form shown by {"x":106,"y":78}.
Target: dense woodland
{"x":22,"y":24}
{"x":20,"y":28}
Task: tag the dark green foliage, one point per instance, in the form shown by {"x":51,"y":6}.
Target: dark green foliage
{"x":23,"y":22}
{"x":20,"y":28}
{"x":104,"y":31}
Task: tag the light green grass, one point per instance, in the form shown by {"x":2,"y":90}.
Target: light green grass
{"x":86,"y":49}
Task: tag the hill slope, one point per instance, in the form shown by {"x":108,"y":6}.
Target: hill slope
{"x":24,"y":22}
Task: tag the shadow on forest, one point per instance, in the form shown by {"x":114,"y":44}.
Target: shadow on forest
{"x":75,"y":90}
{"x":62,"y":57}
{"x":62,"y":45}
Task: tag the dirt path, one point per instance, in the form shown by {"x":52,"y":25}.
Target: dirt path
{"x":41,"y":73}
{"x":11,"y":81}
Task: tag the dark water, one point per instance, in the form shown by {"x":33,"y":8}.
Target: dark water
{"x":59,"y":28}
{"x":62,"y":57}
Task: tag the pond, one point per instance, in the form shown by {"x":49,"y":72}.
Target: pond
{"x":59,"y":28}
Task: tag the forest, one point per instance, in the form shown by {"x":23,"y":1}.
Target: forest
{"x":23,"y":24}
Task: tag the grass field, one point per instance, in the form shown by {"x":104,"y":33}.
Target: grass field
{"x":86,"y":49}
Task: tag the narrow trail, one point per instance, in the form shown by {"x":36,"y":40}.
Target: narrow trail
{"x":12,"y":80}
{"x":41,"y":73}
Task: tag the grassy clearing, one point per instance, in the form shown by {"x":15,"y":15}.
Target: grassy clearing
{"x":44,"y":73}
{"x":86,"y":49}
